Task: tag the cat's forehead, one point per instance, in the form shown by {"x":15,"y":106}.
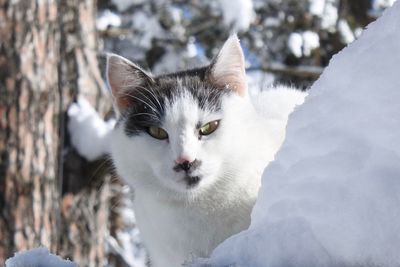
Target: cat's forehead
{"x":183,"y":110}
{"x":192,"y":102}
{"x":193,"y":86}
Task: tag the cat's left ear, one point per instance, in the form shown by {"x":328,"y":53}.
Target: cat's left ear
{"x":228,"y":68}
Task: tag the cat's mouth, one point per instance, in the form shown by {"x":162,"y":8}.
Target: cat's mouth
{"x":191,"y":181}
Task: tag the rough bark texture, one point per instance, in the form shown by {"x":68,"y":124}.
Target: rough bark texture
{"x":49,"y":195}
{"x":29,"y":125}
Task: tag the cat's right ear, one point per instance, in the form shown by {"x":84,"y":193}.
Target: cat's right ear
{"x":123,"y":78}
{"x":228,"y":68}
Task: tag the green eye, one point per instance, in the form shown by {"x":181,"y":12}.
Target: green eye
{"x":209,"y":128}
{"x":157,"y":133}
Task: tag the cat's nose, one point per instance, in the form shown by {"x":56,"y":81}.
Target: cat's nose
{"x":187,"y":165}
{"x":184,"y":159}
{"x":184,"y":163}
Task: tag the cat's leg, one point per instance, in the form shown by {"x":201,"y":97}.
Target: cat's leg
{"x":89,"y":133}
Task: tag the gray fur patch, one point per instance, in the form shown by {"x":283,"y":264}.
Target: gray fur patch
{"x":149,"y":100}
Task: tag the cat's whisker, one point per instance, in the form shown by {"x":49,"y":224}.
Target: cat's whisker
{"x":153,"y":95}
{"x":142,"y":101}
{"x":150,"y":101}
{"x":144,"y":113}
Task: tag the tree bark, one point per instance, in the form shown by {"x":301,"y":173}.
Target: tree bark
{"x":48,"y":195}
{"x":29,"y":126}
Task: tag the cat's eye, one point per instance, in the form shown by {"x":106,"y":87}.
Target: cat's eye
{"x":209,"y":128}
{"x":157,"y":132}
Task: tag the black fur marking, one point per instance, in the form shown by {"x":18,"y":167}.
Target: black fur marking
{"x":191,"y":181}
{"x":187,"y":166}
{"x":148,"y":100}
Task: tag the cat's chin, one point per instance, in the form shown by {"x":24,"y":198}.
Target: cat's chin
{"x":189,"y":184}
{"x":188,"y":194}
{"x":187,"y":188}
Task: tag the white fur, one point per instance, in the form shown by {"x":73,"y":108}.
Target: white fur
{"x":179,"y":223}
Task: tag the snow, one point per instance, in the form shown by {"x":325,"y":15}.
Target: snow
{"x":178,"y":59}
{"x":89,"y":133}
{"x":129,"y":244}
{"x":331,"y":197}
{"x":310,"y":42}
{"x":345,"y":31}
{"x":106,"y":19}
{"x":38,"y":257}
{"x":302,"y":44}
{"x":326,"y":10}
{"x":295,"y":44}
{"x":377,"y":6}
{"x":317,"y":7}
{"x":237,"y":14}
{"x":382,"y":4}
{"x":146,"y":27}
{"x":123,"y":5}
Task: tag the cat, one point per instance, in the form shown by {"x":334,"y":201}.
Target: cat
{"x":193,"y":145}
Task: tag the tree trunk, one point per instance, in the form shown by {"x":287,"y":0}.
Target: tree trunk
{"x":29,"y":126}
{"x":47,"y":58}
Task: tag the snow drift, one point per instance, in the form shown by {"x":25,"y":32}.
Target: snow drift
{"x":332,"y":196}
{"x":38,"y":257}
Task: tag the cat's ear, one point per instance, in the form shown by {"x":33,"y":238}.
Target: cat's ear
{"x":228,"y":68}
{"x":123,"y":78}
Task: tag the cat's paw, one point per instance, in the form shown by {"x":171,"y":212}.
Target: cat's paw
{"x":89,"y":133}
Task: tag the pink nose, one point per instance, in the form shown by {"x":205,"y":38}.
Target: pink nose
{"x":183,"y":159}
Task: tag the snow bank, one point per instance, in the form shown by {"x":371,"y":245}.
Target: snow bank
{"x":332,"y":196}
{"x":38,"y":257}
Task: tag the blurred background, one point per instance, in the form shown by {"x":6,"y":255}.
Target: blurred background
{"x":52,"y":52}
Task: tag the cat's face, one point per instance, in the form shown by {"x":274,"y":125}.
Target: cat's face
{"x":177,"y":129}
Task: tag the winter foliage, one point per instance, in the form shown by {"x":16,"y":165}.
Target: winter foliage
{"x":285,"y":37}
